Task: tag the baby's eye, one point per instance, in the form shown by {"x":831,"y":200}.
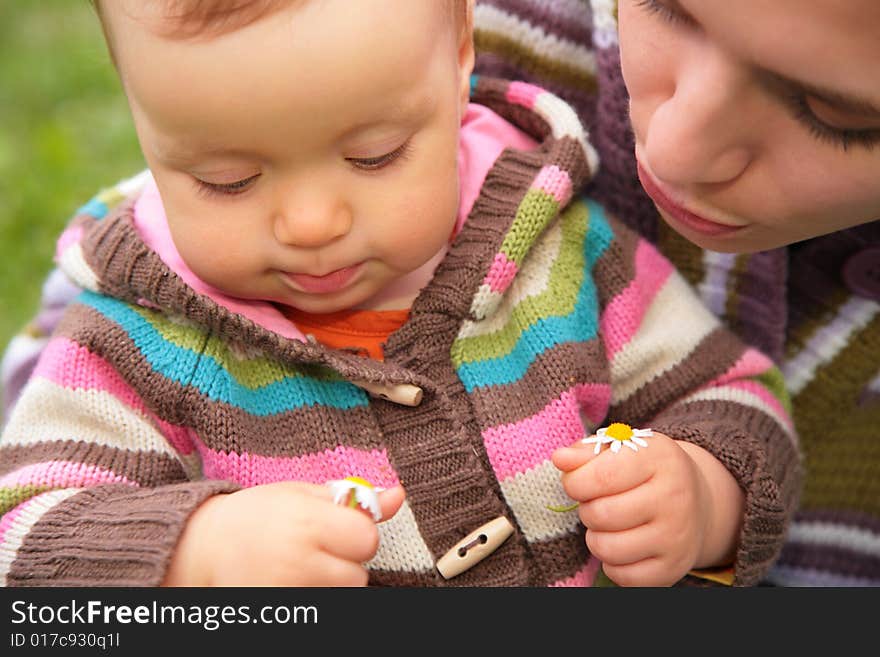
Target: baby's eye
{"x":381,"y":161}
{"x":232,"y":188}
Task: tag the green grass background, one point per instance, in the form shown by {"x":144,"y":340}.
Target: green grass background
{"x":65,"y":133}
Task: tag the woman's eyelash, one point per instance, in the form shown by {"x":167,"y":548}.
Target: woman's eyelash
{"x":381,"y":161}
{"x":229,"y":189}
{"x":844,"y":138}
{"x":655,"y":7}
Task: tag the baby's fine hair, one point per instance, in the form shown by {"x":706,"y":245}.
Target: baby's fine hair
{"x":194,"y":19}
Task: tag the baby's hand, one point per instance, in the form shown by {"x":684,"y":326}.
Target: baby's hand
{"x":280,"y":534}
{"x":646,"y":512}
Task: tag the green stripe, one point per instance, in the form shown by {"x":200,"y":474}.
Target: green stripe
{"x":558,"y":298}
{"x":774,"y":382}
{"x":252,"y":373}
{"x":13,"y":496}
{"x":534,"y":212}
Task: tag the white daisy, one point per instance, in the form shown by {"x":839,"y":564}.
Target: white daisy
{"x":619,"y":434}
{"x":354,"y":491}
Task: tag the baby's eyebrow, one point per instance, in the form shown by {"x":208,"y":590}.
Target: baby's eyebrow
{"x":397,"y":112}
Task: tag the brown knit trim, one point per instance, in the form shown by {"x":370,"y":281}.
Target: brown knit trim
{"x":113,"y":535}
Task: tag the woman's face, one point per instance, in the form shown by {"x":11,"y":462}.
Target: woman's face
{"x":757,"y":123}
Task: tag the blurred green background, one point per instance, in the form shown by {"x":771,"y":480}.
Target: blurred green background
{"x":65,"y":133}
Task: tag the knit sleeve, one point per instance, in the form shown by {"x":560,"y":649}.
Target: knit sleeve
{"x":675,"y":369}
{"x":95,"y":488}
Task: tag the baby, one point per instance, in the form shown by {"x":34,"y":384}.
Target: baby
{"x":351,"y":259}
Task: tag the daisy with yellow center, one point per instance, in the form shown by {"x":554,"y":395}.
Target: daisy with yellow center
{"x":618,"y":434}
{"x":354,"y":492}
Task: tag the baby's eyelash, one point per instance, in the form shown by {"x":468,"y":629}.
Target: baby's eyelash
{"x":381,"y":161}
{"x":655,"y":7}
{"x":229,"y":189}
{"x":844,"y":138}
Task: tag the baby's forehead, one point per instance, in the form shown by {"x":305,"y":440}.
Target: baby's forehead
{"x":203,"y":19}
{"x":187,"y":19}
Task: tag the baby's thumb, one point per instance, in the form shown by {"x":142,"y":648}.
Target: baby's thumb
{"x":390,"y":501}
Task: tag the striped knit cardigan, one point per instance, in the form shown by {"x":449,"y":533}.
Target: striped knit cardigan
{"x":793,"y":303}
{"x":545,"y":316}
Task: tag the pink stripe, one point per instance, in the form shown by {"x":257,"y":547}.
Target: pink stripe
{"x":523,"y":93}
{"x":584,"y":577}
{"x":519,"y":447}
{"x":71,"y":235}
{"x":751,"y":363}
{"x":623,"y":315}
{"x":72,"y":366}
{"x":764,"y":395}
{"x":501,"y":273}
{"x":555,"y":182}
{"x":338,"y":463}
{"x":62,"y":474}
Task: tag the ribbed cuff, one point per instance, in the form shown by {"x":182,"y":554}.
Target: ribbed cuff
{"x":765,"y":463}
{"x":111,"y":535}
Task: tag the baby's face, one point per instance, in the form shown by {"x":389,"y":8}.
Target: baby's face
{"x":757,"y":123}
{"x":309,"y":158}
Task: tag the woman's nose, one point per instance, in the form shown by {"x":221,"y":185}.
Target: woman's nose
{"x":311,"y":220}
{"x":703,"y":132}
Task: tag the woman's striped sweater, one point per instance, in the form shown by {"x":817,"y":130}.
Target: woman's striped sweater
{"x":547,"y":316}
{"x":793,"y":303}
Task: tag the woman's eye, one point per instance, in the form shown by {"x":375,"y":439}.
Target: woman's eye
{"x":845,"y":138}
{"x":237,"y":187}
{"x":381,"y":161}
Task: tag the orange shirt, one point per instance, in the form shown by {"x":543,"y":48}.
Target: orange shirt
{"x":362,"y":330}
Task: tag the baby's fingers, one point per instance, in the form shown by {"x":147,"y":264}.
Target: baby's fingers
{"x":607,"y":474}
{"x":390,"y":501}
{"x":573,"y":457}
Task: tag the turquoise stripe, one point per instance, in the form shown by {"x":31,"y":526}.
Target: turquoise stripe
{"x":580,"y":325}
{"x":475,"y":80}
{"x":210,"y":378}
{"x":96,"y":208}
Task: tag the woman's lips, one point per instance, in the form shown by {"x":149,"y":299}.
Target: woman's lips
{"x":328,"y":283}
{"x":693,"y":221}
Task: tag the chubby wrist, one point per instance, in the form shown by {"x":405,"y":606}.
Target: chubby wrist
{"x":187,"y":566}
{"x":725,"y":509}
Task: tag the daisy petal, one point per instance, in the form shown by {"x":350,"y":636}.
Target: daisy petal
{"x":598,"y":448}
{"x":631,"y":445}
{"x":615,"y":446}
{"x":639,"y":441}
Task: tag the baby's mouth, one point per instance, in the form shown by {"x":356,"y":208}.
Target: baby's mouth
{"x":328,"y":283}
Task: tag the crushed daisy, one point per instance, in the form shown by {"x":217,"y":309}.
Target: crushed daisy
{"x":354,"y":492}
